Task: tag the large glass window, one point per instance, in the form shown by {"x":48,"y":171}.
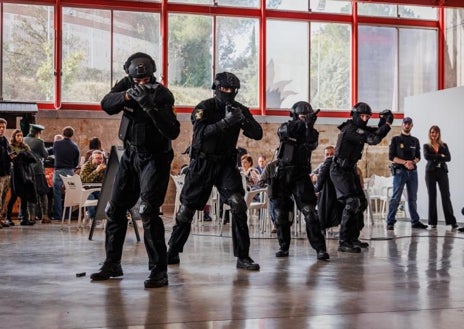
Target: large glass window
{"x":135,"y":32}
{"x":417,"y":12}
{"x":28,"y":49}
{"x":418,"y":65}
{"x":239,"y":3}
{"x":237,"y":52}
{"x":304,"y":58}
{"x":86,"y":54}
{"x":331,"y":6}
{"x":402,"y":62}
{"x":370,"y":9}
{"x":287,"y":5}
{"x":287,"y":64}
{"x":190,"y":58}
{"x":454,"y":50}
{"x":201,"y":2}
{"x":377,"y":66}
{"x":330,"y":66}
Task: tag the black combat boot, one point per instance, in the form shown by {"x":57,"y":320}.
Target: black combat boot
{"x":107,"y":271}
{"x":156,"y":279}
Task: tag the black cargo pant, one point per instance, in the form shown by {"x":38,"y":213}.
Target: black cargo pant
{"x":144,"y":175}
{"x":203,"y":173}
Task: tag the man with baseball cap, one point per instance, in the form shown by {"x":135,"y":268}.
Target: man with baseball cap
{"x":40,"y":153}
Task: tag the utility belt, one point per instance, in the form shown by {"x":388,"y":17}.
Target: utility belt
{"x":211,"y":157}
{"x":344,"y":163}
{"x":144,"y":149}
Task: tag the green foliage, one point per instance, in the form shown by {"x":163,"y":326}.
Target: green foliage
{"x":190,"y":50}
{"x":330,"y":67}
{"x":28,"y":56}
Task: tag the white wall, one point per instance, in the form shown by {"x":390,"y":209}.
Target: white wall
{"x":444,"y":108}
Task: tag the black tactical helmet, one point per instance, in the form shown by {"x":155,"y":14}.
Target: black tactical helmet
{"x":300,"y":108}
{"x":225,"y":80}
{"x":140,"y":65}
{"x":358,"y":109}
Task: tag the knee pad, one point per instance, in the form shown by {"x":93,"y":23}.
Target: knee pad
{"x":282,"y":217}
{"x":146,"y":211}
{"x":113,"y":212}
{"x":237,"y":203}
{"x":185,"y":214}
{"x":309,"y":212}
{"x":352,"y":205}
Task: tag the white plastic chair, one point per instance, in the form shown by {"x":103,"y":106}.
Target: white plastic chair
{"x":373,"y":192}
{"x":260,"y":207}
{"x":179,"y":183}
{"x":76,"y":195}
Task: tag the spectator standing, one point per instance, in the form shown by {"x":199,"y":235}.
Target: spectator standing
{"x":40,"y":153}
{"x":404,"y":152}
{"x":5,"y":164}
{"x":329,"y":151}
{"x":265,"y":180}
{"x":17,"y":146}
{"x":66,"y":154}
{"x":437,"y":154}
{"x":329,"y":208}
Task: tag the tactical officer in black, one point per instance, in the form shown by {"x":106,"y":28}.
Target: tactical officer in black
{"x":217,"y":123}
{"x":147,"y":127}
{"x":354,"y":133}
{"x":298,"y":139}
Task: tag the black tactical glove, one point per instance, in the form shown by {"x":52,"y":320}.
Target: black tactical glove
{"x":311,"y":118}
{"x":386,"y":116}
{"x":233,"y":116}
{"x":144,"y":95}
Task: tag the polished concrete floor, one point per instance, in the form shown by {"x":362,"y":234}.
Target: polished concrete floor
{"x":406,"y":279}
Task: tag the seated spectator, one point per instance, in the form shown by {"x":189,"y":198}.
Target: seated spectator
{"x":261,"y":164}
{"x":251,"y":174}
{"x":93,"y":171}
{"x":94,"y":144}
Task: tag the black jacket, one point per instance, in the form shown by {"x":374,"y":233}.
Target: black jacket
{"x":23,"y":177}
{"x":436,"y":160}
{"x":329,"y":209}
{"x":148,"y":130}
{"x":212,"y":140}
